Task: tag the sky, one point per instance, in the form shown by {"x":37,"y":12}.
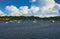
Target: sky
{"x":39,"y":8}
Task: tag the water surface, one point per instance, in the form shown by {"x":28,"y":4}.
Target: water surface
{"x":30,"y":30}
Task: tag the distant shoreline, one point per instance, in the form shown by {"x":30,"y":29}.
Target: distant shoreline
{"x":12,"y":18}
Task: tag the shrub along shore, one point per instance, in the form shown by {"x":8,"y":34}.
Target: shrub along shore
{"x":9,"y":18}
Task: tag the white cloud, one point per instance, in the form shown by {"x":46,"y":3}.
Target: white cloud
{"x":2,"y":13}
{"x":47,"y":8}
{"x":24,"y":9}
{"x":13,"y":10}
{"x":33,"y":0}
{"x":34,"y":9}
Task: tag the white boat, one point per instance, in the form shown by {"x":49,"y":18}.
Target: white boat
{"x":11,"y":21}
{"x":6,"y":22}
{"x":34,"y":21}
{"x":53,"y":21}
{"x":18,"y":21}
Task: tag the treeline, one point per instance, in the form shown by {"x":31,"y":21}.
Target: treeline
{"x":8,"y":18}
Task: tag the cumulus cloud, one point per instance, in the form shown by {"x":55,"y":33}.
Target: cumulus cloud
{"x":21,"y":11}
{"x":33,"y":0}
{"x":13,"y":10}
{"x":40,"y":8}
{"x":34,"y":9}
{"x":24,"y":9}
{"x":2,"y":13}
{"x":47,"y":8}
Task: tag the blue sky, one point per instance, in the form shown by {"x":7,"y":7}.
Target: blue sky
{"x":58,"y":1}
{"x":17,"y":3}
{"x":40,"y":8}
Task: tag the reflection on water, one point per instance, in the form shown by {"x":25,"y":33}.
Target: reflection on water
{"x":30,"y":30}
